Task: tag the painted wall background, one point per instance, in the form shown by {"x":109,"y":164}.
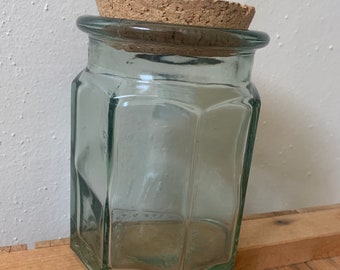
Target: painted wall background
{"x":297,"y":154}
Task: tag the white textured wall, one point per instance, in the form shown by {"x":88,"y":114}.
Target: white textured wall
{"x":297,"y":154}
{"x":41,"y":51}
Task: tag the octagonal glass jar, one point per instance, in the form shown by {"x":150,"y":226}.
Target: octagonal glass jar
{"x":163,"y":125}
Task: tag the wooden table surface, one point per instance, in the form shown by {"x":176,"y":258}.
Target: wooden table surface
{"x":307,"y":239}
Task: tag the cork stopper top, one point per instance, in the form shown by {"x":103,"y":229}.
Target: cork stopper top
{"x":208,"y":13}
{"x":186,"y":40}
{"x":180,"y":27}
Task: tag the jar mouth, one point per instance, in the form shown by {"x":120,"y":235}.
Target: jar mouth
{"x":141,"y":35}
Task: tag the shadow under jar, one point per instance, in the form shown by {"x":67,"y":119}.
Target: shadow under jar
{"x":163,"y":125}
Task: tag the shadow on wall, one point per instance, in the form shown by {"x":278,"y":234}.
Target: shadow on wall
{"x":289,"y":168}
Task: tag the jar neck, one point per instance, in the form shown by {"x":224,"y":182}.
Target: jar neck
{"x":105,"y":57}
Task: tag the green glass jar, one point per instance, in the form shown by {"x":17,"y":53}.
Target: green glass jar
{"x":163,"y":126}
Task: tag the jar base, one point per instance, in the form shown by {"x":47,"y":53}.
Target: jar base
{"x":92,"y":262}
{"x":85,"y":254}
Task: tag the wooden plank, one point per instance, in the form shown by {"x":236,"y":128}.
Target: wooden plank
{"x":301,"y":236}
{"x":52,"y":258}
{"x":326,"y":264}
{"x":336,"y":260}
{"x":266,"y":242}
{"x":287,"y":228}
{"x":282,"y":254}
{"x":52,"y":243}
{"x":301,"y":266}
{"x":289,"y":212}
{"x":15,"y":248}
{"x":269,"y":214}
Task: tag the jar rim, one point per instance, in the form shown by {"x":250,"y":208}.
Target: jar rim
{"x":232,"y":40}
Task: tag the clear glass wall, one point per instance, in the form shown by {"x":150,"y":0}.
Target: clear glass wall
{"x":161,"y":150}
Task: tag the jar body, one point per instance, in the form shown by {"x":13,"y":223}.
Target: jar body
{"x":160,"y":157}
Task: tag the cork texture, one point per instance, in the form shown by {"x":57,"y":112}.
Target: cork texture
{"x":192,"y":42}
{"x":209,"y":13}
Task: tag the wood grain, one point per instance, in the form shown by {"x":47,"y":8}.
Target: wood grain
{"x":62,"y":258}
{"x":52,"y":243}
{"x":10,"y":249}
{"x":301,"y":266}
{"x":293,"y":240}
{"x":327,"y":264}
{"x":52,"y":258}
{"x":336,"y":260}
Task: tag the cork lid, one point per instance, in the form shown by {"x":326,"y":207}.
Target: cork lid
{"x":182,"y":27}
{"x":171,"y":39}
{"x":208,"y":13}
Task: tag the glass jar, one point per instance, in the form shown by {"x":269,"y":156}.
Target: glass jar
{"x":163,"y":125}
